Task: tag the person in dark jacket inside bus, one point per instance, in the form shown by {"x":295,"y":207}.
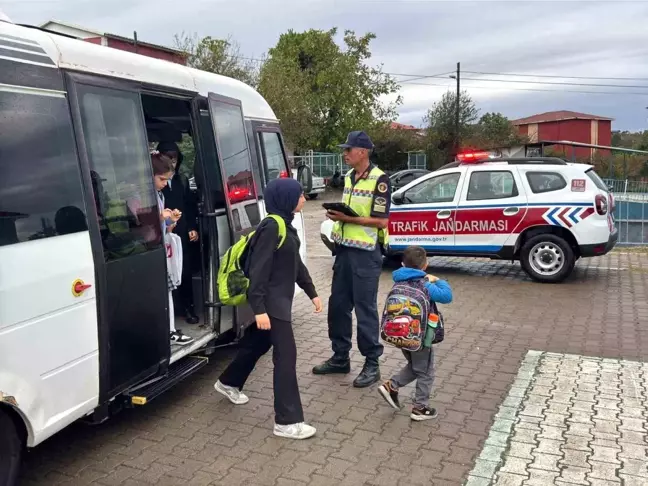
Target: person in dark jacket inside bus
{"x":273,"y":273}
{"x":177,"y":195}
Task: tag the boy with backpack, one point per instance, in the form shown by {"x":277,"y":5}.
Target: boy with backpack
{"x":412,"y":322}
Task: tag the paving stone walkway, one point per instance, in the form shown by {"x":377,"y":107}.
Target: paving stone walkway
{"x":566,"y":420}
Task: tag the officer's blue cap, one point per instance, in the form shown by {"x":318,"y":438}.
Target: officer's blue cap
{"x":357,"y":139}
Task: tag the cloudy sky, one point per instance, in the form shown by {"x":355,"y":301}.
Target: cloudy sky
{"x":570,"y":44}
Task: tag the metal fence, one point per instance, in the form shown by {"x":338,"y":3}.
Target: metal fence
{"x":416,"y":160}
{"x":322,"y":164}
{"x":631,"y":212}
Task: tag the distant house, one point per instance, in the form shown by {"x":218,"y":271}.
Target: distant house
{"x":567,"y":126}
{"x":116,"y":41}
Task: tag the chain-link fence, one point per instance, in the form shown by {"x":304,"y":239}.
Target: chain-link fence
{"x":631,"y":213}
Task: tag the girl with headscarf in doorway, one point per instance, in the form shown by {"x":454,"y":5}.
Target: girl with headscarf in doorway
{"x":273,"y":273}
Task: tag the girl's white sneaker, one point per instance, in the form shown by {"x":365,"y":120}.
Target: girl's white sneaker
{"x":234,"y":395}
{"x":297,"y":431}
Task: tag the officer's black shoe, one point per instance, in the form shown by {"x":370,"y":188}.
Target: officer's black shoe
{"x":333,"y":366}
{"x":369,"y":375}
{"x":190,"y":316}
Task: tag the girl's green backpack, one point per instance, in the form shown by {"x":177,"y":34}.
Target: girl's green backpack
{"x":231,"y":280}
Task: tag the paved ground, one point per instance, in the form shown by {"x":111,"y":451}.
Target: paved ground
{"x":191,"y":436}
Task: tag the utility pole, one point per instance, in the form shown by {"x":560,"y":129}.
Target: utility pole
{"x":457,"y":108}
{"x":135,"y":41}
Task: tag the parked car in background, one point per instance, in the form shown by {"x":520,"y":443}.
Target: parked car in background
{"x":316,"y":187}
{"x":403,"y":177}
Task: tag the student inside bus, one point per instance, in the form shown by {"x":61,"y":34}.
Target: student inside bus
{"x":162,"y":172}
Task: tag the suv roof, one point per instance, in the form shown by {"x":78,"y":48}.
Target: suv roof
{"x":511,"y":161}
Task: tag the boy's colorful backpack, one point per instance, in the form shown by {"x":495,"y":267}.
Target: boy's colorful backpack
{"x":231,"y":279}
{"x":404,"y":319}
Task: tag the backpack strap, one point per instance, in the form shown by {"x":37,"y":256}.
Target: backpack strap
{"x":282,"y":228}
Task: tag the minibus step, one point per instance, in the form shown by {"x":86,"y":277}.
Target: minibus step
{"x":177,"y":372}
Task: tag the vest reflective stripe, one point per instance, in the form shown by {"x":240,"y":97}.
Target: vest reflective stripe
{"x":360,"y":198}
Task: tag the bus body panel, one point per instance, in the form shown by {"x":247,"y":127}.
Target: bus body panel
{"x":49,"y":360}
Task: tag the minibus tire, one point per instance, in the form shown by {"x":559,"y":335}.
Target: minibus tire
{"x":556,"y":249}
{"x":11,"y":449}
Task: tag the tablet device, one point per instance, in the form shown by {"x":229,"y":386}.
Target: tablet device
{"x":340,"y":207}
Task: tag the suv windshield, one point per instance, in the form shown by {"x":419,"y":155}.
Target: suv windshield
{"x":598,"y":182}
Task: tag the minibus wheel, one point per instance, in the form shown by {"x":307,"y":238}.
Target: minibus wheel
{"x":11,"y":448}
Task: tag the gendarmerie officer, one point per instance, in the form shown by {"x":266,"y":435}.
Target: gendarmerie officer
{"x":358,"y":262}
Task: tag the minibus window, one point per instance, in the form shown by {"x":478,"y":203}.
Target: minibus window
{"x":274,"y":156}
{"x":40,"y":183}
{"x":234,"y":152}
{"x":121,"y":172}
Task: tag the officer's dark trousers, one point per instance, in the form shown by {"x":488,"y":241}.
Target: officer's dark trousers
{"x":355,"y":285}
{"x":254,"y":344}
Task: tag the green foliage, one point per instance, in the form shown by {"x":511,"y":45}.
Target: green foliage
{"x":188,"y":150}
{"x":392,"y":145}
{"x":494,"y":130}
{"x":219,"y":56}
{"x":321,"y":91}
{"x":440,"y":121}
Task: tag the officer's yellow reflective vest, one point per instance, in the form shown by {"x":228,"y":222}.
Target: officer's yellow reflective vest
{"x":360,"y":198}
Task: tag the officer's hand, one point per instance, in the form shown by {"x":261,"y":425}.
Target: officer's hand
{"x":193,"y":236}
{"x":336,"y":216}
{"x":317,"y":302}
{"x":263,"y":322}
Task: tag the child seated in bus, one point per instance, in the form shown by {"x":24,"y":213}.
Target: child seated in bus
{"x":162,"y":172}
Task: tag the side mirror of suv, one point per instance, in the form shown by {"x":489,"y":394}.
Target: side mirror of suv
{"x":398,"y":198}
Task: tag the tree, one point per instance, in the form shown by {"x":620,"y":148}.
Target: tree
{"x":494,"y":130}
{"x":219,"y":56}
{"x":442,"y":126}
{"x":321,"y":91}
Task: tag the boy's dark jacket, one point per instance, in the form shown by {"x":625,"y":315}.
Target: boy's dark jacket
{"x":177,"y":195}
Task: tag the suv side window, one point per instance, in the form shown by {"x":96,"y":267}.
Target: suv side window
{"x":40,"y":184}
{"x":545,"y":181}
{"x":491,"y":184}
{"x":441,"y":188}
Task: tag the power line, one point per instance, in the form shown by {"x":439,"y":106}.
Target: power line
{"x":556,"y":76}
{"x":560,"y":83}
{"x":619,"y":93}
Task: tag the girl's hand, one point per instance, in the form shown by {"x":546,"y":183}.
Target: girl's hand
{"x":263,"y":322}
{"x":166,"y":214}
{"x":175,"y":215}
{"x":317,"y":302}
{"x":432,"y":278}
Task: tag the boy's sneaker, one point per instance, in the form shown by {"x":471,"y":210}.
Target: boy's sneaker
{"x":298,"y":431}
{"x":389,"y":394}
{"x":177,"y":337}
{"x":423,"y":413}
{"x":234,"y":395}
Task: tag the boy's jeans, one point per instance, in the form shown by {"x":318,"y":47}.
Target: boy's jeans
{"x":420,"y":367}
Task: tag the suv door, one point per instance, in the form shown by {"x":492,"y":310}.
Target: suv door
{"x":423,"y":214}
{"x":492,"y":205}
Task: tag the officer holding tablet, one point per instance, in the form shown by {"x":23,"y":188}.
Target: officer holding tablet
{"x":359,"y":241}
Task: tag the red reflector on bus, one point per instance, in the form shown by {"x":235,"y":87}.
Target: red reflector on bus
{"x":283,"y":174}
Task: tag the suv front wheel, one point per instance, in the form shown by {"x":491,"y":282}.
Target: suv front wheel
{"x":547,"y":258}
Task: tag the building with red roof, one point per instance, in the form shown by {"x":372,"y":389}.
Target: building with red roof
{"x":567,"y":125}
